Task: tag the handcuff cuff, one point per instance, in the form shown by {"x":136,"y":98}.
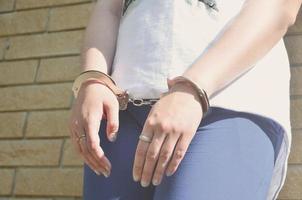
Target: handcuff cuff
{"x":123,"y":96}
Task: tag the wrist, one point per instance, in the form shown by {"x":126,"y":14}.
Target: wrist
{"x":92,"y":81}
{"x":183,"y":87}
{"x":88,"y":82}
{"x":203,"y":82}
{"x":191,"y":87}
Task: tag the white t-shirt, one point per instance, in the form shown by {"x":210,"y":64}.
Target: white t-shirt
{"x":161,"y":38}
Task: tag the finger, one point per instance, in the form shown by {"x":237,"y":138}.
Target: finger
{"x":89,"y":158}
{"x":165,"y":156}
{"x":152,"y":157}
{"x":178,"y":154}
{"x":72,"y":127}
{"x":81,"y":148}
{"x":78,"y":149}
{"x":112,"y":113}
{"x":88,"y":162}
{"x":74,"y":138}
{"x":140,"y":153}
{"x":91,"y":127}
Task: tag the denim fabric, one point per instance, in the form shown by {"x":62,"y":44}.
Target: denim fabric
{"x":160,"y":39}
{"x":231,"y":157}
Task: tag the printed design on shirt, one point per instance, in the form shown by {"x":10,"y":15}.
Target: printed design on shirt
{"x":212,"y":4}
{"x":126,"y":5}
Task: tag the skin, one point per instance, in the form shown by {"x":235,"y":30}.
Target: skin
{"x":95,"y":101}
{"x":251,"y":39}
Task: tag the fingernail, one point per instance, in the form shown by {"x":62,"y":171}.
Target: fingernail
{"x":144,"y":184}
{"x":98,"y":173}
{"x":155,"y":181}
{"x":169,"y":173}
{"x":107,"y":168}
{"x":113,"y":137}
{"x":106,"y":174}
{"x":135,"y":177}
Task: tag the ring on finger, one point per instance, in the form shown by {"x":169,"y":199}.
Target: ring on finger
{"x":145,"y":138}
{"x":81,"y":136}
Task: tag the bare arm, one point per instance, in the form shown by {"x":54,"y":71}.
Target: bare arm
{"x":96,"y":101}
{"x":101,"y":35}
{"x":252,"y":33}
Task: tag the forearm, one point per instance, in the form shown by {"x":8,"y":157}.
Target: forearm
{"x":100,"y":39}
{"x":245,"y":39}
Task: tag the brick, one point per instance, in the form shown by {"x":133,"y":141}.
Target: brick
{"x":293,"y":45}
{"x":18,"y":72}
{"x":6,"y":5}
{"x":293,"y":184}
{"x":70,"y":156}
{"x":36,"y":97}
{"x":296,"y":113}
{"x":23,"y":22}
{"x":295,"y":156}
{"x":47,"y":124}
{"x":59,"y":69}
{"x":297,"y":27}
{"x":30,"y":152}
{"x":12,"y":124}
{"x":25,"y":4}
{"x":49,"y":182}
{"x":65,"y":198}
{"x":11,"y":198}
{"x":3,"y":44}
{"x":296,"y":81}
{"x":42,"y":45}
{"x":6,"y":181}
{"x":70,"y":17}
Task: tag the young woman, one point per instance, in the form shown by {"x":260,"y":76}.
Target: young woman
{"x":168,"y":147}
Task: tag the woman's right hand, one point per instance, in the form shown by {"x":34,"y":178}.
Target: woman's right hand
{"x":94,"y":102}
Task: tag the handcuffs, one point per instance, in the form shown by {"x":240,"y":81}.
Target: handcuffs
{"x":123,"y":95}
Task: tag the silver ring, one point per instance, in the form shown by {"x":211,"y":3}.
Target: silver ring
{"x":145,"y":138}
{"x":80,"y":137}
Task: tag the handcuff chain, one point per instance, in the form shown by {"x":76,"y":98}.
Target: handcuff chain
{"x":141,"y":101}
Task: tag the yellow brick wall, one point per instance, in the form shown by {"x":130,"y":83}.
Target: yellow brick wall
{"x":293,"y":41}
{"x":39,"y":58}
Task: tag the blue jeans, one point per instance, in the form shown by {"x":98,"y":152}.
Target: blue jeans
{"x":231,"y":157}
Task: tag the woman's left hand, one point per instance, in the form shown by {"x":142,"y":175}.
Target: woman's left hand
{"x":171,"y":123}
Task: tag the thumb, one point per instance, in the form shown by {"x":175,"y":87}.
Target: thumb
{"x":112,"y":114}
